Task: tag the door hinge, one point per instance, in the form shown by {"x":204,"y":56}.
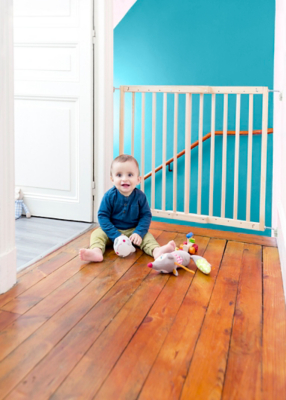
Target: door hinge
{"x":93,"y":36}
{"x":93,"y":188}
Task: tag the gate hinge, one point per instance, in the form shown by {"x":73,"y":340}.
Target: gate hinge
{"x":273,"y":229}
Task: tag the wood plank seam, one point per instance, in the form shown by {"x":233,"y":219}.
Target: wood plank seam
{"x":243,"y":371}
{"x":230,"y":336}
{"x":199,"y":334}
{"x":204,"y":319}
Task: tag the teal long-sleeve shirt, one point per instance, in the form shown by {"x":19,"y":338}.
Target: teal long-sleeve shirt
{"x":119,"y":212}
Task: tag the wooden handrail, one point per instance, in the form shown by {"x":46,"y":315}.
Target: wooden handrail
{"x":195,"y":144}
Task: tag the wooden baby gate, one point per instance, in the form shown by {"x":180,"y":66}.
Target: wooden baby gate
{"x":138,"y":146}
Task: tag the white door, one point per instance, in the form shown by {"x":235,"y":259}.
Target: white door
{"x":54,"y":106}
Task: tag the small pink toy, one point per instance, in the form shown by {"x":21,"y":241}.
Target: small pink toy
{"x":123,"y":246}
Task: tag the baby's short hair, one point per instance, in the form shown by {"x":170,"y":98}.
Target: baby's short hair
{"x":123,"y":158}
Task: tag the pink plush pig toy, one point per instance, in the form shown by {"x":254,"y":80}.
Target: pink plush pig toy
{"x":170,"y":262}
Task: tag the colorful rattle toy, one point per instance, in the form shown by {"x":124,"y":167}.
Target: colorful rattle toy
{"x":190,"y":245}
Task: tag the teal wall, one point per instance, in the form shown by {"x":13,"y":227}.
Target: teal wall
{"x":203,"y":42}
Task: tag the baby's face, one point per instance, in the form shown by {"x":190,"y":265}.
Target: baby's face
{"x":125,"y":176}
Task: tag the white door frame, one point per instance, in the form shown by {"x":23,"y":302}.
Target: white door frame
{"x":7,"y":168}
{"x":103,"y":99}
{"x":103,"y":125}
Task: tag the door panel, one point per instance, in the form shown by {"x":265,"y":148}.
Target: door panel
{"x":54,"y":106}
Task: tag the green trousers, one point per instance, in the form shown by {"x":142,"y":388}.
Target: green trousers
{"x":99,"y":239}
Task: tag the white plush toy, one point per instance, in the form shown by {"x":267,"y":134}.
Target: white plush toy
{"x":20,"y":205}
{"x":123,"y":246}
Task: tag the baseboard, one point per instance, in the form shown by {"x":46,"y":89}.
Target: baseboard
{"x":7,"y":270}
{"x":281,"y":242}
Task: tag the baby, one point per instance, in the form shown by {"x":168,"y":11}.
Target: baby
{"x":124,"y":210}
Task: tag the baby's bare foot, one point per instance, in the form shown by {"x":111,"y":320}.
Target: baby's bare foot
{"x":168,"y":248}
{"x":94,"y":255}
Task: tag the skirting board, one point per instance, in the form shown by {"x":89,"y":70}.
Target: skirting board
{"x":281,"y":242}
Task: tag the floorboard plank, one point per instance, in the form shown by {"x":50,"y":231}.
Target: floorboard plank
{"x":140,"y":354}
{"x":274,"y":328}
{"x":244,"y":367}
{"x":206,"y":374}
{"x":109,"y":347}
{"x":168,"y":373}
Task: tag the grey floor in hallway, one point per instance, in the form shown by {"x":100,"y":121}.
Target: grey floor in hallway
{"x":37,"y":237}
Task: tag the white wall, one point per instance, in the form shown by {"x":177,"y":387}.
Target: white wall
{"x":279,"y":181}
{"x":120,"y":8}
{"x":7,"y":180}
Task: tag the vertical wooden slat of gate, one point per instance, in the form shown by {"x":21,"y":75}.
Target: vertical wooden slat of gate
{"x":132,"y":123}
{"x":153,"y":150}
{"x":236,"y":159}
{"x":249,"y":157}
{"x":164,"y":152}
{"x":187,"y":151}
{"x":201,"y":119}
{"x":224,"y":144}
{"x":142,"y":141}
{"x":175,"y":152}
{"x":121,"y":121}
{"x":263,"y":159}
{"x":212,"y":156}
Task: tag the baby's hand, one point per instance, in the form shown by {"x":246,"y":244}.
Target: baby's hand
{"x":136,"y":239}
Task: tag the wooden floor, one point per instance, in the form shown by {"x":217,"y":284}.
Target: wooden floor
{"x":119,"y":330}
